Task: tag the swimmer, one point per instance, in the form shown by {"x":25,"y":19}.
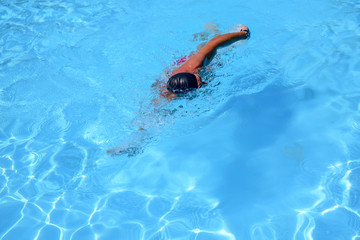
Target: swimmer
{"x":186,"y":77}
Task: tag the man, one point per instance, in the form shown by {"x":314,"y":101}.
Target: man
{"x":182,"y":80}
{"x":186,"y":77}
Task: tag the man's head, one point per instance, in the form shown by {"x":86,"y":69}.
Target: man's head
{"x":183,"y":82}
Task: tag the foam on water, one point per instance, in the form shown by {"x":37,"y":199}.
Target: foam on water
{"x":267,"y":150}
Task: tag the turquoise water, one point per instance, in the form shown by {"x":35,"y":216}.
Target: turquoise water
{"x":269,"y":149}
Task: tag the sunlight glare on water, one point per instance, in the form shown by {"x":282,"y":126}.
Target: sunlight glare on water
{"x":268,"y":149}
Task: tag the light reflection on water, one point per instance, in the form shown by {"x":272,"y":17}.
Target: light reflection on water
{"x":268,"y":150}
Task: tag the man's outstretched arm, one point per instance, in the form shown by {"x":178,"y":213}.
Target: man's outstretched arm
{"x":196,"y":62}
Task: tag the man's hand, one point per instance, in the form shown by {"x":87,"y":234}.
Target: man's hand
{"x":244,"y":28}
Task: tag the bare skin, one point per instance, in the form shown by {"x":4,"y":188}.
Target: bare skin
{"x":193,"y":65}
{"x":196,"y":62}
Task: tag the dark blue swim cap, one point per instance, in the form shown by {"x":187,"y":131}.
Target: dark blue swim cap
{"x":182,"y":82}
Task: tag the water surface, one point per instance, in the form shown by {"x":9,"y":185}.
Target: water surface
{"x":267,"y":150}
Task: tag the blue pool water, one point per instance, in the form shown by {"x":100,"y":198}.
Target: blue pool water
{"x":269,"y":149}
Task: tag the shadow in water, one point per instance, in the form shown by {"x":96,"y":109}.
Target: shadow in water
{"x":256,"y":174}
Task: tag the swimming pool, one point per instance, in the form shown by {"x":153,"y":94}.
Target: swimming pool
{"x":269,"y":149}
